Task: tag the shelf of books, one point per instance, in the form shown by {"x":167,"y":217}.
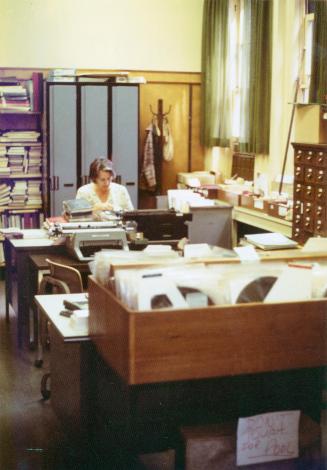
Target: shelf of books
{"x":21,"y":103}
{"x":21,"y":151}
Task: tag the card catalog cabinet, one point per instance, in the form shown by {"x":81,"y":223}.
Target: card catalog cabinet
{"x":310,"y":191}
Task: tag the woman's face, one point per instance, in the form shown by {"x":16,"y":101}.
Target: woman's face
{"x":103,"y":180}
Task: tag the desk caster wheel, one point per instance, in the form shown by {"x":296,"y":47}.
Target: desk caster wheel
{"x":45,"y":392}
{"x":38,"y":363}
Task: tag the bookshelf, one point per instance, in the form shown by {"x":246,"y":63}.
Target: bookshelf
{"x":21,"y":152}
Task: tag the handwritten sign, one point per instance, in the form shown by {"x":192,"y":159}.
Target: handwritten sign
{"x":268,"y":437}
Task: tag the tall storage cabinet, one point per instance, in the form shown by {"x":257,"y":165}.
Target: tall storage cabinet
{"x":125,"y":137}
{"x":62,"y":146}
{"x":87,"y":120}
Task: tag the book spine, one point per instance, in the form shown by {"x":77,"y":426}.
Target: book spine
{"x":37,"y":79}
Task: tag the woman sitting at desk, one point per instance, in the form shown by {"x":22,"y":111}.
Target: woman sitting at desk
{"x":102,"y":193}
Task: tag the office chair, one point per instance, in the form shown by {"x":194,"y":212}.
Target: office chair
{"x":62,"y":279}
{"x":65,"y":279}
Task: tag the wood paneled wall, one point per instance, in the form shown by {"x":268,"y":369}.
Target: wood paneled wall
{"x":181,"y":94}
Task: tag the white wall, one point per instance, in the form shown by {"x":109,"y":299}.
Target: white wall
{"x":287,"y":38}
{"x":112,"y":34}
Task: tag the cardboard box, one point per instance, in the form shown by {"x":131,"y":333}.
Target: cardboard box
{"x":228,"y":196}
{"x":214,"y":447}
{"x":210,"y":191}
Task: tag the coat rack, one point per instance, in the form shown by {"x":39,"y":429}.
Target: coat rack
{"x":160,"y":116}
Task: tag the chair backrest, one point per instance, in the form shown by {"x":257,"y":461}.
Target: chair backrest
{"x":66,"y":276}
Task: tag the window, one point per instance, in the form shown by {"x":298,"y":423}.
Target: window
{"x":305,"y":75}
{"x":236,"y":66}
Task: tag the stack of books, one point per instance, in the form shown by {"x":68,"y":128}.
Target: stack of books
{"x":33,"y":194}
{"x":20,"y":136}
{"x":33,"y":164}
{"x":5,"y":190}
{"x":4,"y":168}
{"x":17,"y":155}
{"x":14,"y":98}
{"x":77,"y":210}
{"x":62,"y":75}
{"x":18,"y":195}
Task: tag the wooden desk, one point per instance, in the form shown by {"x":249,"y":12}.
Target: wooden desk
{"x":71,"y":355}
{"x":162,"y":369}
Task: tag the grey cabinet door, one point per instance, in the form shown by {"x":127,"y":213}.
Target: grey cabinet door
{"x":94,"y":126}
{"x":92,"y":118}
{"x":125,"y":137}
{"x":62,"y":145}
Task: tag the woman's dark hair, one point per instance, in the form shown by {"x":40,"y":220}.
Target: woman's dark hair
{"x":101,"y":164}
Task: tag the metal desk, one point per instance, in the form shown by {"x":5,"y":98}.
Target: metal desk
{"x":70,"y":363}
{"x":17,"y":252}
{"x":22,"y":277}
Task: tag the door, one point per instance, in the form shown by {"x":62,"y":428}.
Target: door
{"x":62,"y":145}
{"x":94,"y":126}
{"x":125,"y":137}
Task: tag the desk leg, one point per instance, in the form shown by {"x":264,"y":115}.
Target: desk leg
{"x":234,"y":233}
{"x":7,"y":304}
{"x":34,"y":286}
{"x":7,"y":253}
{"x":323,"y":418}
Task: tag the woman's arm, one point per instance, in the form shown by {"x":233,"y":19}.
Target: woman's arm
{"x":125,"y":200}
{"x":102,"y":206}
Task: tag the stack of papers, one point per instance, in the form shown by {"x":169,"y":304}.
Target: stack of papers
{"x":270,"y":241}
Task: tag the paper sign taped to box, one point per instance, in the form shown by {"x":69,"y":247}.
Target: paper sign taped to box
{"x":268,"y":437}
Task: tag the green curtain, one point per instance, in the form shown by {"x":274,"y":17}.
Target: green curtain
{"x":256,"y":75}
{"x":318,"y":83}
{"x":256,"y":86}
{"x":215,"y":129}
